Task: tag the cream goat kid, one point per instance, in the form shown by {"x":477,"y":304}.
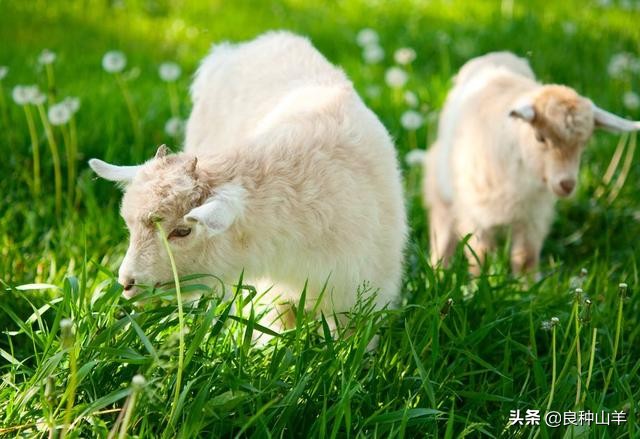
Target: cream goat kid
{"x":285,"y":174}
{"x":507,"y":147}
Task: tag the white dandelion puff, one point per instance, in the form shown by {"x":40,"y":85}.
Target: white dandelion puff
{"x":25,"y":94}
{"x":443,"y":38}
{"x":46,"y":57}
{"x":38,"y":98}
{"x":59,"y":114}
{"x":367,"y":37}
{"x":569,"y":28}
{"x":4,"y":70}
{"x":631,"y":100}
{"x":169,"y":71}
{"x":72,"y":103}
{"x":548,"y":325}
{"x":373,"y":91}
{"x":411,"y":99}
{"x":415,"y":157}
{"x":396,"y":77}
{"x":174,"y":127}
{"x":373,"y":54}
{"x":465,"y":47}
{"x":620,"y":64}
{"x":404,"y":55}
{"x":411,"y":120}
{"x":19,"y":95}
{"x":114,"y":61}
{"x":138,"y":381}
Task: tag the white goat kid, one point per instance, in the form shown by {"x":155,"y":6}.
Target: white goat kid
{"x":285,"y":174}
{"x":507,"y":147}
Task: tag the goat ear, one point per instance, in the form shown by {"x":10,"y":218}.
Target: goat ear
{"x":524,"y":110}
{"x":610,"y":122}
{"x":162,"y":151}
{"x":119,"y":174}
{"x":221,"y":210}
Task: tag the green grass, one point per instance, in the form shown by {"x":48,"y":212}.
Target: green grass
{"x":440,"y":370}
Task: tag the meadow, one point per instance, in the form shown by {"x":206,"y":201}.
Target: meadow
{"x":460,"y":355}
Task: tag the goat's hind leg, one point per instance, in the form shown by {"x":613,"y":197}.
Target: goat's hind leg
{"x":442,"y":239}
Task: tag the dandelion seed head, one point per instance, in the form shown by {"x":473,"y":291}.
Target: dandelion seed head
{"x":411,"y":99}
{"x":622,"y":286}
{"x":169,"y":71}
{"x":25,"y":94}
{"x":411,"y":120}
{"x":59,"y":114}
{"x":631,"y":100}
{"x":404,"y":55}
{"x":138,"y":381}
{"x":373,"y":54}
{"x":443,"y":38}
{"x":464,"y":47}
{"x":72,"y":103}
{"x":373,"y":91}
{"x":38,"y":98}
{"x":19,"y":94}
{"x":174,"y":127}
{"x":620,"y":64}
{"x":114,"y":61}
{"x":569,"y":28}
{"x":415,"y":157}
{"x":396,"y":77}
{"x":46,"y":57}
{"x":4,"y":70}
{"x":548,"y":325}
{"x":367,"y":37}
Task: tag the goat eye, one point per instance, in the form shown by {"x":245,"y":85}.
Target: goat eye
{"x":180,"y":232}
{"x":539,"y":137}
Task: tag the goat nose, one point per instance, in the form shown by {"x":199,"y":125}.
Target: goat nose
{"x":128,"y":284}
{"x":568,"y":185}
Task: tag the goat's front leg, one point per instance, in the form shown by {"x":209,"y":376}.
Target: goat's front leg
{"x":479,"y":244}
{"x":527,"y":240}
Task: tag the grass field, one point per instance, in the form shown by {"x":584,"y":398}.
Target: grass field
{"x":71,"y":349}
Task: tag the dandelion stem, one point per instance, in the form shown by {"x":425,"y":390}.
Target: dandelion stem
{"x":35,"y":149}
{"x":131,"y":403}
{"x":51,"y":90}
{"x":70,"y":165}
{"x":5,"y":114}
{"x":56,"y":159}
{"x":616,"y":342}
{"x":173,"y":99}
{"x":413,"y":139}
{"x":74,"y":153}
{"x":180,"y":321}
{"x":68,"y":341}
{"x":133,"y":114}
{"x":578,"y":350}
{"x":592,"y":356}
{"x":553,"y":367}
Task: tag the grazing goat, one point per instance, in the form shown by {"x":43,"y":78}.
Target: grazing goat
{"x":285,"y":174}
{"x":507,"y":147}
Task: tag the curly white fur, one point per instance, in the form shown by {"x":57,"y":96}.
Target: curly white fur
{"x":285,"y":174}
